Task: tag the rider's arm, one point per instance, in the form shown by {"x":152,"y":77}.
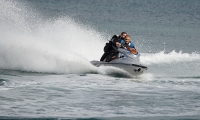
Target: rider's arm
{"x":132,"y":46}
{"x":132,"y":49}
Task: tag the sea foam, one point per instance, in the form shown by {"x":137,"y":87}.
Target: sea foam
{"x":30,"y":43}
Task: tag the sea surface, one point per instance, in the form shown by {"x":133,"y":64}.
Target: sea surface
{"x":46,"y":47}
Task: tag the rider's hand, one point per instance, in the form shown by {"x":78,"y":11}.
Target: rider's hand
{"x":118,"y":45}
{"x":132,"y":49}
{"x":123,"y":47}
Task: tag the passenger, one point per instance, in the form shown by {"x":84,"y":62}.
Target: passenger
{"x":126,"y":43}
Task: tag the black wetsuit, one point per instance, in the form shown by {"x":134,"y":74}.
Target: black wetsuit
{"x":109,"y":51}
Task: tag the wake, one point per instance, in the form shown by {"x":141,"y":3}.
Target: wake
{"x":166,"y":58}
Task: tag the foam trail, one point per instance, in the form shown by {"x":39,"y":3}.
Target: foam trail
{"x":162,"y":57}
{"x":31,"y":44}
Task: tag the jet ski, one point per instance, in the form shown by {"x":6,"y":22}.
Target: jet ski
{"x":126,"y":60}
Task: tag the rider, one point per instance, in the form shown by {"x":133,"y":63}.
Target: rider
{"x":108,"y":49}
{"x":127,"y":45}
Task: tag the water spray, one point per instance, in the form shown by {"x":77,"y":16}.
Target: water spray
{"x":164,"y":47}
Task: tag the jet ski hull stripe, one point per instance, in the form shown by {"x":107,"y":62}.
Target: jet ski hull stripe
{"x":139,"y":66}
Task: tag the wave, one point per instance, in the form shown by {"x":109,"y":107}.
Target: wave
{"x":166,"y":58}
{"x":178,"y":117}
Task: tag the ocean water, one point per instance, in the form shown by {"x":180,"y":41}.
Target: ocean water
{"x":46,"y":47}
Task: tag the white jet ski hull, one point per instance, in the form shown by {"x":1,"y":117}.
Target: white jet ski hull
{"x":133,"y":69}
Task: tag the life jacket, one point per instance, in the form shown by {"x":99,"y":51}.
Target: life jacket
{"x":131,"y":45}
{"x":112,"y":42}
{"x":108,"y":46}
{"x":114,"y":37}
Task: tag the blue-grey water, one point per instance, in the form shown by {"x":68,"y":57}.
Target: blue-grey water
{"x":46,"y":47}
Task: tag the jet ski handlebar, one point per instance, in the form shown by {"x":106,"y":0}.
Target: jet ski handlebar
{"x":132,"y":50}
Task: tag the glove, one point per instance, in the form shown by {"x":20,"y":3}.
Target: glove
{"x":119,"y":45}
